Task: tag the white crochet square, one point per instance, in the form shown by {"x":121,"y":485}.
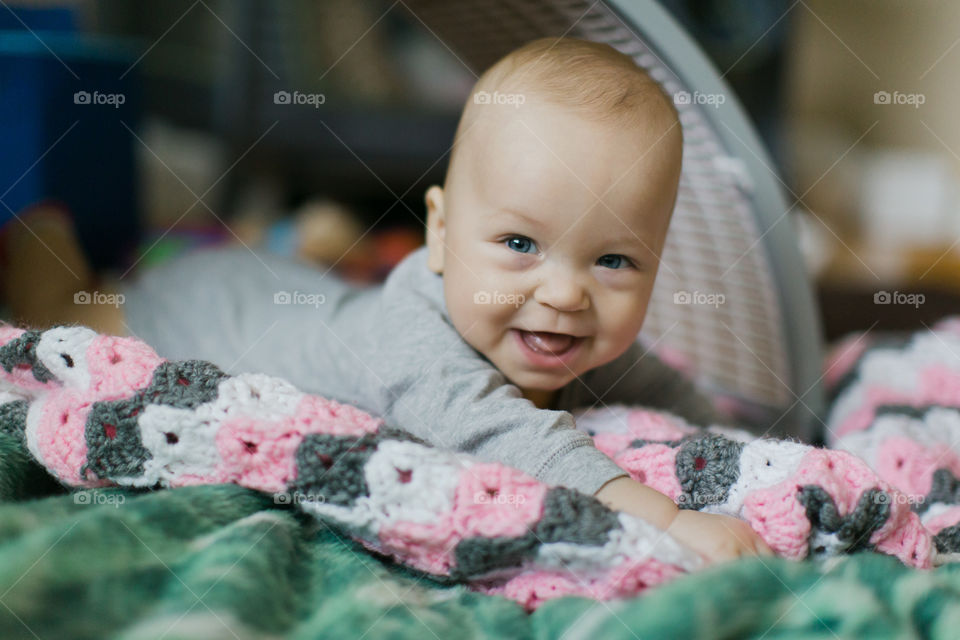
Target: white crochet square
{"x":939,"y":428}
{"x":935,"y":348}
{"x":763,"y":463}
{"x":358,"y":518}
{"x":257,"y":395}
{"x":63,"y":350}
{"x":431,"y":482}
{"x":892,"y":368}
{"x":733,"y":433}
{"x":11,"y":395}
{"x":195,"y":449}
{"x":612,"y":419}
{"x":934,"y":510}
{"x":636,"y":539}
{"x":34,"y":412}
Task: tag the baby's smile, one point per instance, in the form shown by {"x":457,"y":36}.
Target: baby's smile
{"x":544,"y":349}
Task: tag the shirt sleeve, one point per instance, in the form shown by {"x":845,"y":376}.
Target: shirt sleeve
{"x":639,"y":377}
{"x":437,"y":387}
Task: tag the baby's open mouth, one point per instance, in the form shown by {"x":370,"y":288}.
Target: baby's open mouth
{"x":552,"y":344}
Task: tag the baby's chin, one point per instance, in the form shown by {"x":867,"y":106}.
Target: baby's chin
{"x":537,"y":381}
{"x":508,"y":360}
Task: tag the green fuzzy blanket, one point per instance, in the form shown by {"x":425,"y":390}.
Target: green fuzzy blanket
{"x":226,"y":562}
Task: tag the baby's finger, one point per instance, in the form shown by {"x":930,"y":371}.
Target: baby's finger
{"x":764,"y":549}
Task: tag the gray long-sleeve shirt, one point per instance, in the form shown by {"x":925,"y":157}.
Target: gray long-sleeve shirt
{"x":389,"y":349}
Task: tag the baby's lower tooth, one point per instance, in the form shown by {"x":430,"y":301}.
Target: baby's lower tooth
{"x":557,"y":344}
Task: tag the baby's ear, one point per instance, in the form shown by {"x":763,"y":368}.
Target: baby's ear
{"x":436,"y":228}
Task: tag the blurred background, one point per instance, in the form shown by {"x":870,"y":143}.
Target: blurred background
{"x":313,"y":128}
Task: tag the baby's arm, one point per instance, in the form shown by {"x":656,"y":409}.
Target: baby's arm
{"x":626,"y":494}
{"x":716,"y":537}
{"x":640,"y":378}
{"x":460,"y":402}
{"x":427,"y":380}
{"x":456,"y":400}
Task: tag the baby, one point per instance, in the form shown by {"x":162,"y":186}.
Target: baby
{"x":542,"y":250}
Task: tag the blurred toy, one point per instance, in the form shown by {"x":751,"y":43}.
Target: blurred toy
{"x":328,"y":233}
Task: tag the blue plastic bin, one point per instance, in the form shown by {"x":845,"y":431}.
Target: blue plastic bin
{"x":64,"y":101}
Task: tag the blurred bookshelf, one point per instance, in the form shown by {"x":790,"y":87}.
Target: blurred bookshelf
{"x":391,"y":94}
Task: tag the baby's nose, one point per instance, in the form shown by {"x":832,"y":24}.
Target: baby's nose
{"x":563,"y":293}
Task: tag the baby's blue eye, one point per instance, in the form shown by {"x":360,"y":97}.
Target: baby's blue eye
{"x":613,"y":261}
{"x":520,"y":244}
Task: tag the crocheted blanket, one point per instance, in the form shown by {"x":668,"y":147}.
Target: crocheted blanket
{"x":98,"y":411}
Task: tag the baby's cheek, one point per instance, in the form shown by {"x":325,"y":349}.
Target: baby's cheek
{"x":467,"y":296}
{"x":606,"y":348}
{"x":474,"y":326}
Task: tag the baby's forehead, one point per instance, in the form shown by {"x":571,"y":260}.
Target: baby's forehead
{"x":554,"y":200}
{"x":509,"y":107}
{"x":517,"y":144}
{"x":511,"y":99}
{"x":533,"y":173}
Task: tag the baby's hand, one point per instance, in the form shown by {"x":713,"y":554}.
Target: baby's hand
{"x":717,"y":537}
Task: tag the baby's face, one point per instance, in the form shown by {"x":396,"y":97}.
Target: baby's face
{"x":549,"y":237}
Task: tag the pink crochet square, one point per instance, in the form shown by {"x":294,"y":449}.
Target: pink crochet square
{"x":654,"y":425}
{"x":60,"y":435}
{"x":777,"y":515}
{"x":257,"y":453}
{"x":20,"y":376}
{"x":909,"y":466}
{"x":315,"y":414}
{"x":119,"y":366}
{"x":843,"y":357}
{"x":655,"y":466}
{"x":426,"y":546}
{"x":494,"y":500}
